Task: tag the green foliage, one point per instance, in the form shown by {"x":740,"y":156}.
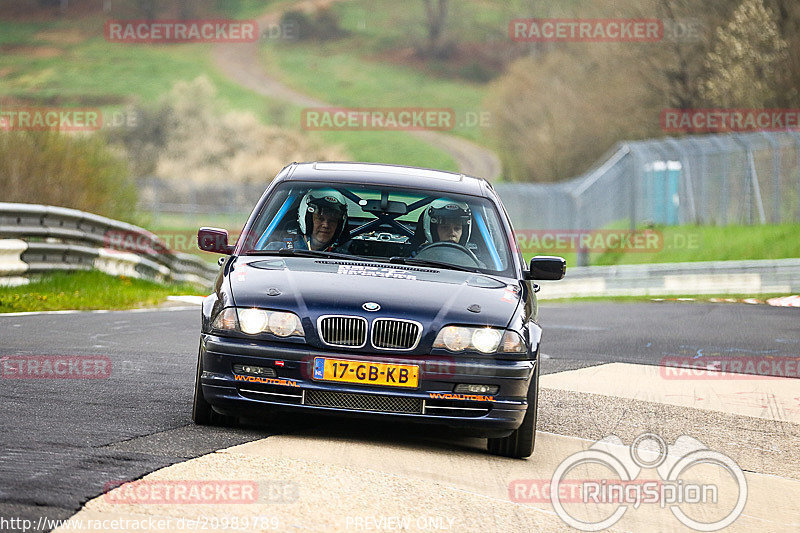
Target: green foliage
{"x":187,"y":137}
{"x":746,"y":65}
{"x":66,"y":170}
{"x":552,"y":122}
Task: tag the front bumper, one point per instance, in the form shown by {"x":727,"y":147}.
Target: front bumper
{"x":294,"y":388}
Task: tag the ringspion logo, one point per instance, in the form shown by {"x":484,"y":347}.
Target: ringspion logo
{"x":691,"y":477}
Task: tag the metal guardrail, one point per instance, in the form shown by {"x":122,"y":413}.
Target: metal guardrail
{"x":39,"y":238}
{"x":663,"y":279}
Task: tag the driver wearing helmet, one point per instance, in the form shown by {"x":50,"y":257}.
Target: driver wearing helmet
{"x":447,"y":220}
{"x":322,"y":216}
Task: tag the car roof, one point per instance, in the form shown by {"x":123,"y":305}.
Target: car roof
{"x":382,"y":174}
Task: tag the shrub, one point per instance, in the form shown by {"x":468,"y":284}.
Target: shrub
{"x":54,"y":168}
{"x":188,"y":139}
{"x":322,"y":25}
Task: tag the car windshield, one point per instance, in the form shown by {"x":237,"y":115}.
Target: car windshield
{"x":403,"y":226}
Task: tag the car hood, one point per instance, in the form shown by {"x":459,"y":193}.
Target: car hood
{"x":316,"y":287}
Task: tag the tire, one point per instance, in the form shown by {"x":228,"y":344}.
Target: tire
{"x":520,"y":443}
{"x":202,"y":412}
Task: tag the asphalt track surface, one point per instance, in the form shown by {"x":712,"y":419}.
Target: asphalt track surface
{"x":64,"y":440}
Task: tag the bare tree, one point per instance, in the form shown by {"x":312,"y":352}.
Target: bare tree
{"x":436,"y":16}
{"x":148,"y":8}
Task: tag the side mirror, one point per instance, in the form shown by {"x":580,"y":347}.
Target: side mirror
{"x":547,"y":267}
{"x":214,"y":240}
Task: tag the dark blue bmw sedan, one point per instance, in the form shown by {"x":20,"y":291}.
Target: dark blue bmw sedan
{"x":375,"y":290}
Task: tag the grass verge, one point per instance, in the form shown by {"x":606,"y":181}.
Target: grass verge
{"x":88,"y":290}
{"x":679,"y":244}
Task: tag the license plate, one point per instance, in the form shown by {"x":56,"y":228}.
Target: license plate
{"x":364,"y":372}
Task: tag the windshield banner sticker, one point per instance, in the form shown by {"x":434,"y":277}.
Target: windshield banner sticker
{"x":375,"y":272}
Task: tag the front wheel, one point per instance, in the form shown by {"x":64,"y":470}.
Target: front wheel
{"x":202,"y":412}
{"x":519,"y":444}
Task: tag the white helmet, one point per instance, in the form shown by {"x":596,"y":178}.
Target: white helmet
{"x":328,"y":199}
{"x":443,"y":209}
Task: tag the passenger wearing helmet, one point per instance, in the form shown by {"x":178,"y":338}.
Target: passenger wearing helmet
{"x":447,"y":220}
{"x":322,"y":216}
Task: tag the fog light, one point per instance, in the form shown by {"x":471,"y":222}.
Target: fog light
{"x":472,"y":388}
{"x":254,"y":370}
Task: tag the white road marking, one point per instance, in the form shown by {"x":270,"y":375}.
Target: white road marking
{"x":197,"y":300}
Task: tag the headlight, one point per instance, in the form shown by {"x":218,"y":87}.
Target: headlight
{"x":254,"y":321}
{"x":484,"y":340}
{"x":454,"y":338}
{"x":285,"y":324}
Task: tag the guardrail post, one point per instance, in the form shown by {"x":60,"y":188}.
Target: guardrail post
{"x":687,"y":181}
{"x":796,"y":136}
{"x":636,"y":176}
{"x":776,"y":176}
{"x":582,"y":254}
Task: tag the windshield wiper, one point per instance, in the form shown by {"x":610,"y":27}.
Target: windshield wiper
{"x":428,"y":262}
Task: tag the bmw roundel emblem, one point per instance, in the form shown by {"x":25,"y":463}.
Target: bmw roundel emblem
{"x":371,"y":306}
